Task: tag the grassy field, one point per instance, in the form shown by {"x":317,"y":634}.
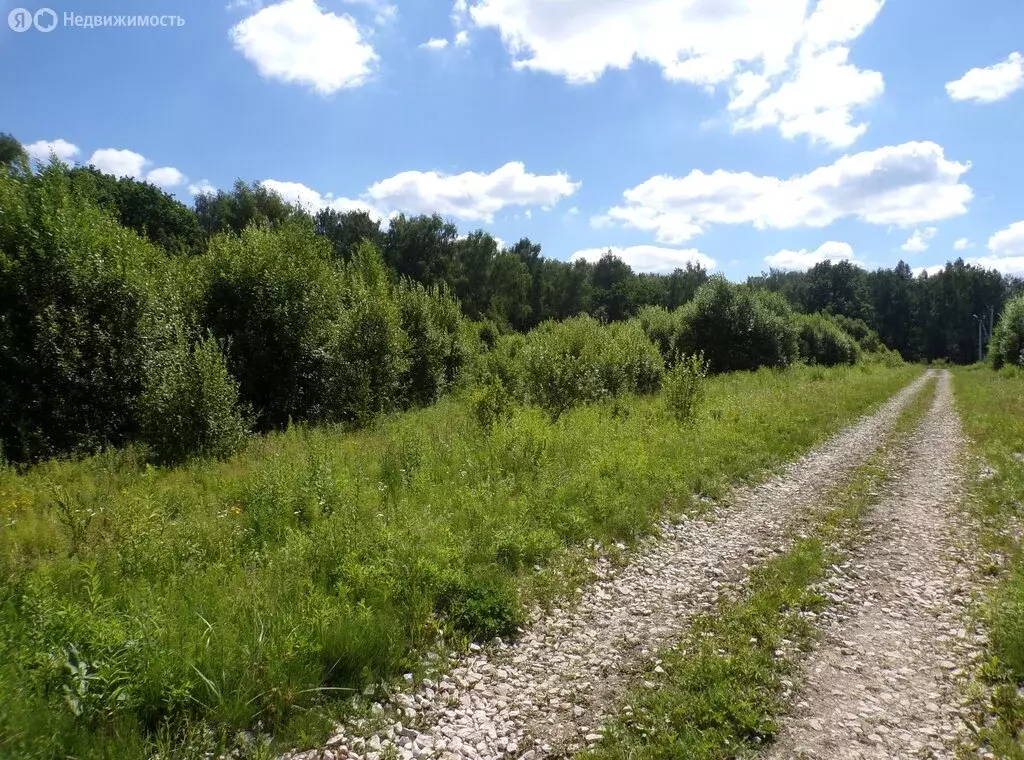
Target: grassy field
{"x":992,"y":407}
{"x":146,"y":609}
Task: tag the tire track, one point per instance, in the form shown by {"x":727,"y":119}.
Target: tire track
{"x":884,"y":685}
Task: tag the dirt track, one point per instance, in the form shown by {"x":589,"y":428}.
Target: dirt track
{"x":883,"y":684}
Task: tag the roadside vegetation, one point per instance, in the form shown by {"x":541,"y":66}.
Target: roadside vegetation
{"x":992,"y":407}
{"x":140,"y":601}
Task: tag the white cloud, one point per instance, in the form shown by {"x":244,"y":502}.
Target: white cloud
{"x":435,"y":44}
{"x":1008,"y":242}
{"x":307,"y":198}
{"x":962,"y":244}
{"x":295,"y":41}
{"x":920,"y":240}
{"x":41,"y":149}
{"x":650,"y":258}
{"x":462,"y":38}
{"x":803,"y":259}
{"x":166,"y":176}
{"x":202,"y":187}
{"x":384,"y":12}
{"x":120,"y":163}
{"x":990,"y":84}
{"x":1006,"y":252}
{"x":1005,"y":264}
{"x":472,"y":196}
{"x":785,"y":66}
{"x":901,"y":185}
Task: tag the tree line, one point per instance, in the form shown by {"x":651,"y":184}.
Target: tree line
{"x":127,"y":315}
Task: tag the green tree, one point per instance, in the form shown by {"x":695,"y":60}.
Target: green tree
{"x":144,"y":208}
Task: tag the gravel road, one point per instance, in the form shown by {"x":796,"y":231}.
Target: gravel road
{"x":548,"y":694}
{"x":884,"y":682}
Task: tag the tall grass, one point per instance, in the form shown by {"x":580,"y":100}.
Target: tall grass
{"x":992,"y":407}
{"x":142,"y":604}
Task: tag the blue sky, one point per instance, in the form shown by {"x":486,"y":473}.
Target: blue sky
{"x":738,"y":133}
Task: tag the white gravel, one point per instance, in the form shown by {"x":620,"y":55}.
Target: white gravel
{"x":886,"y":681}
{"x":551,"y":691}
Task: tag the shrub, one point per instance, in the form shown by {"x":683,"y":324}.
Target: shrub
{"x":823,"y":342}
{"x":1007,"y":344}
{"x":189,"y":404}
{"x":371,"y":353}
{"x":491,"y":403}
{"x":684,"y":386}
{"x":425,"y":377}
{"x":859,"y":330}
{"x":561,"y":365}
{"x":662,"y":327}
{"x":569,"y":363}
{"x":274,"y":300}
{"x":737,"y":328}
{"x":77,"y":298}
{"x":629,"y":362}
{"x":482,"y":608}
{"x":504,"y":362}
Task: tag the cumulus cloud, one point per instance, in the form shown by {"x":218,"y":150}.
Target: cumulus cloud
{"x":435,"y":44}
{"x":920,"y":240}
{"x":297,"y":42}
{"x":166,"y":176}
{"x":1008,"y":242}
{"x":786,"y":67}
{"x":987,"y":85}
{"x":128,"y":163}
{"x":1006,"y":252}
{"x":650,"y":258}
{"x":803,"y":259}
{"x":202,"y":187}
{"x":120,"y":163}
{"x":471,"y":196}
{"x":962,"y":244}
{"x":300,"y":195}
{"x":462,"y":38}
{"x":41,"y":149}
{"x":900,"y":185}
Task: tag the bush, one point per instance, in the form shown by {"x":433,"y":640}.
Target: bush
{"x":425,"y":377}
{"x":684,"y":387}
{"x":504,"y":362}
{"x":628,"y":361}
{"x":274,"y":300}
{"x":859,"y":330}
{"x":78,"y":294}
{"x":371,"y":353}
{"x":1007,"y":344}
{"x":662,"y":327}
{"x":189,"y":404}
{"x":569,"y":363}
{"x":491,"y":403}
{"x":823,"y":342}
{"x":737,"y":328}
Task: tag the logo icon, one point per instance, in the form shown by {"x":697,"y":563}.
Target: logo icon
{"x":20,"y":20}
{"x":45,"y":20}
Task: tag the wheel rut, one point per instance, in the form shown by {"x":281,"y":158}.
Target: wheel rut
{"x":884,"y":684}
